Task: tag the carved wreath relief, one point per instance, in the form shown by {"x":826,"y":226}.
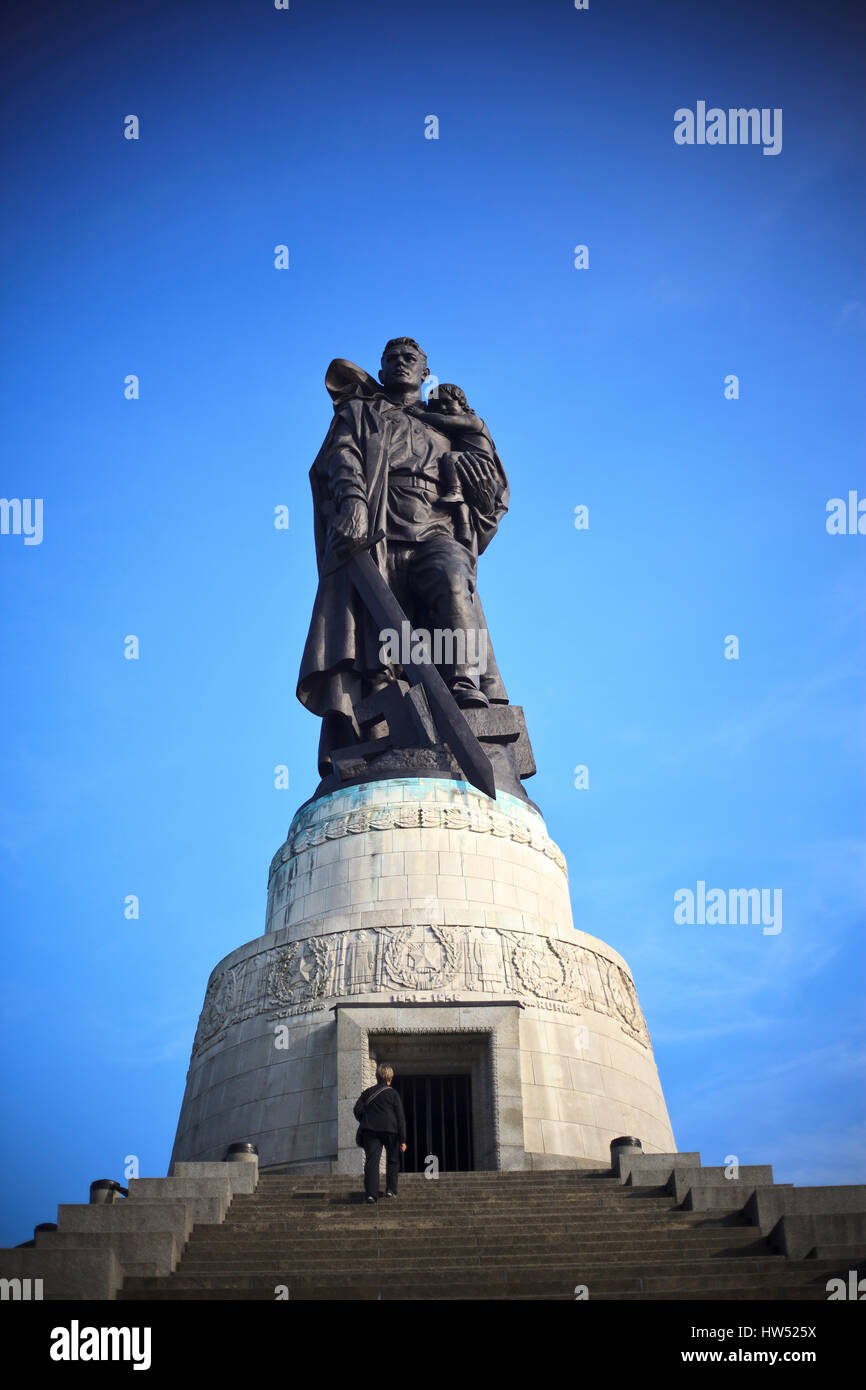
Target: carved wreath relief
{"x":302,"y":976}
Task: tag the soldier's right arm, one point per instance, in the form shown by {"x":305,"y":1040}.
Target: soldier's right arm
{"x":345,"y":464}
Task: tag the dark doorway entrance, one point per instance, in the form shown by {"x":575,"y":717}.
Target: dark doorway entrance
{"x":438,"y":1121}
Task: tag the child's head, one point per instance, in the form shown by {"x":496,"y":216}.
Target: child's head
{"x":449,"y":399}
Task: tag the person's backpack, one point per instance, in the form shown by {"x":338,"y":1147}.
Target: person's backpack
{"x":378,"y":1091}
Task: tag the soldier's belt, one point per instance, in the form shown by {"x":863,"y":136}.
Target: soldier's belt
{"x":414,"y":483}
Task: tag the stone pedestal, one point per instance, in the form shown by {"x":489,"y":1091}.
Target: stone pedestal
{"x":415,"y":921}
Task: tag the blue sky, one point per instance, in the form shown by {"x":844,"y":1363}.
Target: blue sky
{"x":602,"y":387}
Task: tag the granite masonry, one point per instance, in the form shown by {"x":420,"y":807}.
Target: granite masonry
{"x":418,"y":922}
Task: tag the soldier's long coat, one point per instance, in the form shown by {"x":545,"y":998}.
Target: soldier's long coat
{"x":343,"y":642}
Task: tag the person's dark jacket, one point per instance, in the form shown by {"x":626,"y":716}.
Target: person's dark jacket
{"x":384,"y":1114}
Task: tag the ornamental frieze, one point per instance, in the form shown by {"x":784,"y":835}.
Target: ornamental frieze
{"x":543,"y":968}
{"x":219,"y":1008}
{"x":408,"y":815}
{"x":423,"y":957}
{"x":421,"y":962}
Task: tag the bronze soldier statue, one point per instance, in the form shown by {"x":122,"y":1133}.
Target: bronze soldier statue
{"x":427,"y":481}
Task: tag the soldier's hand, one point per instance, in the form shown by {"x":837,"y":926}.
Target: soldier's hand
{"x":349,"y":526}
{"x":479,"y":481}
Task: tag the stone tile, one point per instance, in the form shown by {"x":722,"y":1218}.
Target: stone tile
{"x":326,"y":1137}
{"x":496,"y":847}
{"x":539,"y":1102}
{"x":532,"y":1136}
{"x":408,"y":841}
{"x":423,"y":910}
{"x":328,"y":852}
{"x":378,"y":795}
{"x":356,"y":846}
{"x":296,"y":911}
{"x":631,"y":1059}
{"x":527,"y":902}
{"x":503,"y":919}
{"x":450,"y":863}
{"x":460,"y":841}
{"x":463,"y":914}
{"x":573,"y":1040}
{"x":480,"y":865}
{"x":436,"y":840}
{"x":613,"y":1116}
{"x":479,"y":890}
{"x":297,"y":1143}
{"x":573,"y":1109}
{"x":421,"y":862}
{"x":318,"y":1038}
{"x":417,"y":916}
{"x":394,"y":887}
{"x":318,"y":1106}
{"x":561,"y":1138}
{"x":504,"y":895}
{"x":586,"y":1077}
{"x":329,"y":1069}
{"x":533,"y":1034}
{"x":381,"y":917}
{"x":421,"y":885}
{"x":392,"y":865}
{"x":335,"y":897}
{"x":550,"y":1071}
{"x":630,"y":1091}
{"x":449,"y":886}
{"x":362,"y":866}
{"x":525,"y":878}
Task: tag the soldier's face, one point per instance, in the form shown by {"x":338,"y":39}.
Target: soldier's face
{"x":402,"y":368}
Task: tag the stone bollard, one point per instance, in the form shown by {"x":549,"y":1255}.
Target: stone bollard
{"x":242,"y":1153}
{"x":624,"y":1147}
{"x":105,"y":1192}
{"x":43,"y":1226}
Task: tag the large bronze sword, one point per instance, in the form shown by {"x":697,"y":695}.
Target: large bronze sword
{"x":387,"y":612}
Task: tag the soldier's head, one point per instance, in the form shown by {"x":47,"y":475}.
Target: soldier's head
{"x":404,"y":367}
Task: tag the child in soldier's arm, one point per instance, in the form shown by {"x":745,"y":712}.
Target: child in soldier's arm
{"x":449,"y":413}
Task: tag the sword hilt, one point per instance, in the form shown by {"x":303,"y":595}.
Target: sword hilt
{"x":356,"y":550}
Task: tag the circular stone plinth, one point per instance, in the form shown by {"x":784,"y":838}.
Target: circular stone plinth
{"x":407,"y":895}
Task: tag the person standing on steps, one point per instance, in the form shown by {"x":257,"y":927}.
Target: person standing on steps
{"x":382,"y":1124}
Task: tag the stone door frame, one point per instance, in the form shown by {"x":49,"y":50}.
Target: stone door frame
{"x":496,"y":1024}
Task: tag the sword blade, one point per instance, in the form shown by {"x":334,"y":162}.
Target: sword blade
{"x":387,"y":612}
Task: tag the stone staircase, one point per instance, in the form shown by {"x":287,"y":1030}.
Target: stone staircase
{"x":620,"y":1235}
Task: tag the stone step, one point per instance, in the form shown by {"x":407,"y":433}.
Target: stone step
{"x":419,"y":1269}
{"x":510,"y":1233}
{"x":371,"y":1293}
{"x":482,"y":1236}
{"x":753,"y":1267}
{"x":702,"y":1295}
{"x":441,"y":1184}
{"x":751,"y":1243}
{"x":598,"y":1280}
{"x":541,"y":1178}
{"x":387,"y":1217}
{"x":480,"y":1190}
{"x":854,"y":1254}
{"x":512,"y":1237}
{"x":394,"y":1241}
{"x":442,"y":1207}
